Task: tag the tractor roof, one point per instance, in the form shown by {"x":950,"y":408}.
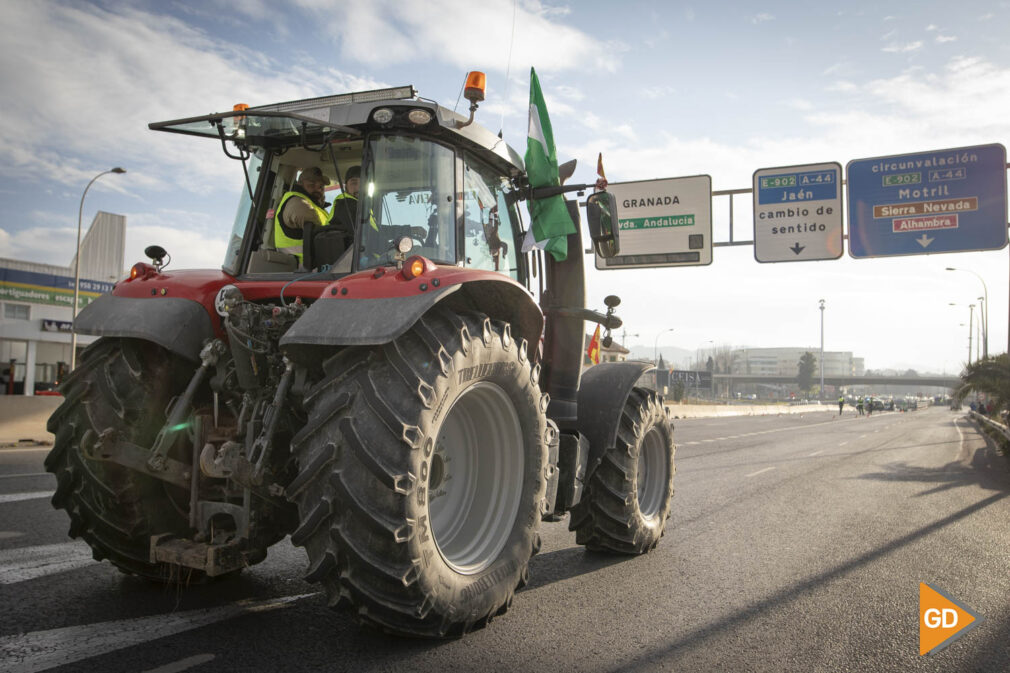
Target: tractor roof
{"x":348,"y":112}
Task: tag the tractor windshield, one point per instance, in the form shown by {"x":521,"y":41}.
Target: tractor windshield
{"x":407,"y":190}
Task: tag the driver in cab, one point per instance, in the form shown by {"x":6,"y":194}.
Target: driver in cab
{"x":305,"y":202}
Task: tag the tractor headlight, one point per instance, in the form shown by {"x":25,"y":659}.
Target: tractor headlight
{"x":382,"y":116}
{"x":419,"y":117}
{"x":228,"y":297}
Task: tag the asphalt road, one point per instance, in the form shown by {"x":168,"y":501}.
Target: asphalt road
{"x":797,"y":544}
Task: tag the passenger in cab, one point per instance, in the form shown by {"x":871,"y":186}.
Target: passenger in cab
{"x":304,"y":203}
{"x":345,"y":205}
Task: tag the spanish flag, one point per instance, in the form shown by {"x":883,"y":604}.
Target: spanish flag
{"x":593,"y":352}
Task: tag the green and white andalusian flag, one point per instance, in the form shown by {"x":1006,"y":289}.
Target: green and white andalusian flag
{"x":550,"y":219}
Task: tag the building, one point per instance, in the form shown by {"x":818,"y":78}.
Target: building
{"x":36,"y":307}
{"x":785,"y":362}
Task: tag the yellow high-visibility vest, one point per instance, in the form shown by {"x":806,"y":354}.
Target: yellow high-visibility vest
{"x":283,"y":242}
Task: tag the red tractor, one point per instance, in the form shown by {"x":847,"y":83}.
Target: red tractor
{"x":391,"y":394}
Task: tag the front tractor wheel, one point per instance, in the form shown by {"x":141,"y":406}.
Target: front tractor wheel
{"x":627,"y":500}
{"x":422,"y":475}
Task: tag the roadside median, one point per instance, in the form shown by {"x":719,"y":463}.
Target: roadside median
{"x":23,"y":419}
{"x":681,"y":410}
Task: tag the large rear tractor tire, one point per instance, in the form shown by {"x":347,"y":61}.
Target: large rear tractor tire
{"x":627,"y":501}
{"x":125,"y":385}
{"x":423,"y":471}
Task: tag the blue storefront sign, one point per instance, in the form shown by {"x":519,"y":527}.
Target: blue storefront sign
{"x":942,"y":201}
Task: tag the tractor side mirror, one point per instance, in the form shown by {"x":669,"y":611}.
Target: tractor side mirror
{"x":601,"y":214}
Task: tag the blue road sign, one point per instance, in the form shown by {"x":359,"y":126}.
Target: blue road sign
{"x":943,"y":201}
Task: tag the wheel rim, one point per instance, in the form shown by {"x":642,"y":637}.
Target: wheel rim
{"x":653,"y":474}
{"x":475,"y":478}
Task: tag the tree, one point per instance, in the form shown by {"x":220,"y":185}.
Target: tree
{"x":678,"y":391}
{"x":989,"y":375}
{"x":805,"y":376}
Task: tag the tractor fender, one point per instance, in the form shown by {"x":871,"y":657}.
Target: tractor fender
{"x":603,"y":393}
{"x":376,"y":320}
{"x":176,"y":324}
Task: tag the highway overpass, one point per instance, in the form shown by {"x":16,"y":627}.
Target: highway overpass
{"x":923,"y":381}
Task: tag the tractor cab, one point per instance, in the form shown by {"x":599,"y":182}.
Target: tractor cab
{"x":430,"y":184}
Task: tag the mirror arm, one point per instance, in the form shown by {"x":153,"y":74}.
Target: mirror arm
{"x":547,"y":192}
{"x":609,"y":321}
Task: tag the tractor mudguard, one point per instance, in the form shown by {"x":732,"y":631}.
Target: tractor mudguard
{"x":602,"y":394}
{"x":360,"y":322}
{"x":178,"y":325}
{"x":372,"y":321}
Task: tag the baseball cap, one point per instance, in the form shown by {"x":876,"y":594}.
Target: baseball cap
{"x":314,"y":173}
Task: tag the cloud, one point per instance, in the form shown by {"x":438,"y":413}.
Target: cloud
{"x":903,"y":48}
{"x":841,"y":86}
{"x":761,"y":18}
{"x":941,"y":39}
{"x":479,"y":35}
{"x":83,"y":102}
{"x":658,"y":91}
{"x":931,"y":27}
{"x":799,"y":104}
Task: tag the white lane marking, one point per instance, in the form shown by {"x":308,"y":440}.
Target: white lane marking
{"x":688,"y":443}
{"x":816,"y":452}
{"x":28,"y":563}
{"x":8,"y":534}
{"x":754,"y":474}
{"x":707,"y":440}
{"x":27,"y":474}
{"x":18,"y":497}
{"x":843,"y":444}
{"x":183,"y":664}
{"x":42,"y":650}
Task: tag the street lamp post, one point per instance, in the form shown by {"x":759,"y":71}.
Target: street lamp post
{"x":77,"y":265}
{"x":820,"y":395}
{"x":971,"y":325}
{"x":983,"y":312}
{"x":655,"y":345}
{"x":971,"y":328}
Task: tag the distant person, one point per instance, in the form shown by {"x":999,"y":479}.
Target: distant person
{"x":869,"y":406}
{"x":841,"y":405}
{"x":973,"y":406}
{"x":305,"y":202}
{"x":859,"y":405}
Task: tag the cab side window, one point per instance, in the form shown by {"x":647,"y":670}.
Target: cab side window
{"x":489,"y":223}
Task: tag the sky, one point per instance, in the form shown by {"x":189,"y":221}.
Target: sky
{"x":663,"y":90}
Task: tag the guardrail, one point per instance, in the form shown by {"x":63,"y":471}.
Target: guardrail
{"x":998,"y":427}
